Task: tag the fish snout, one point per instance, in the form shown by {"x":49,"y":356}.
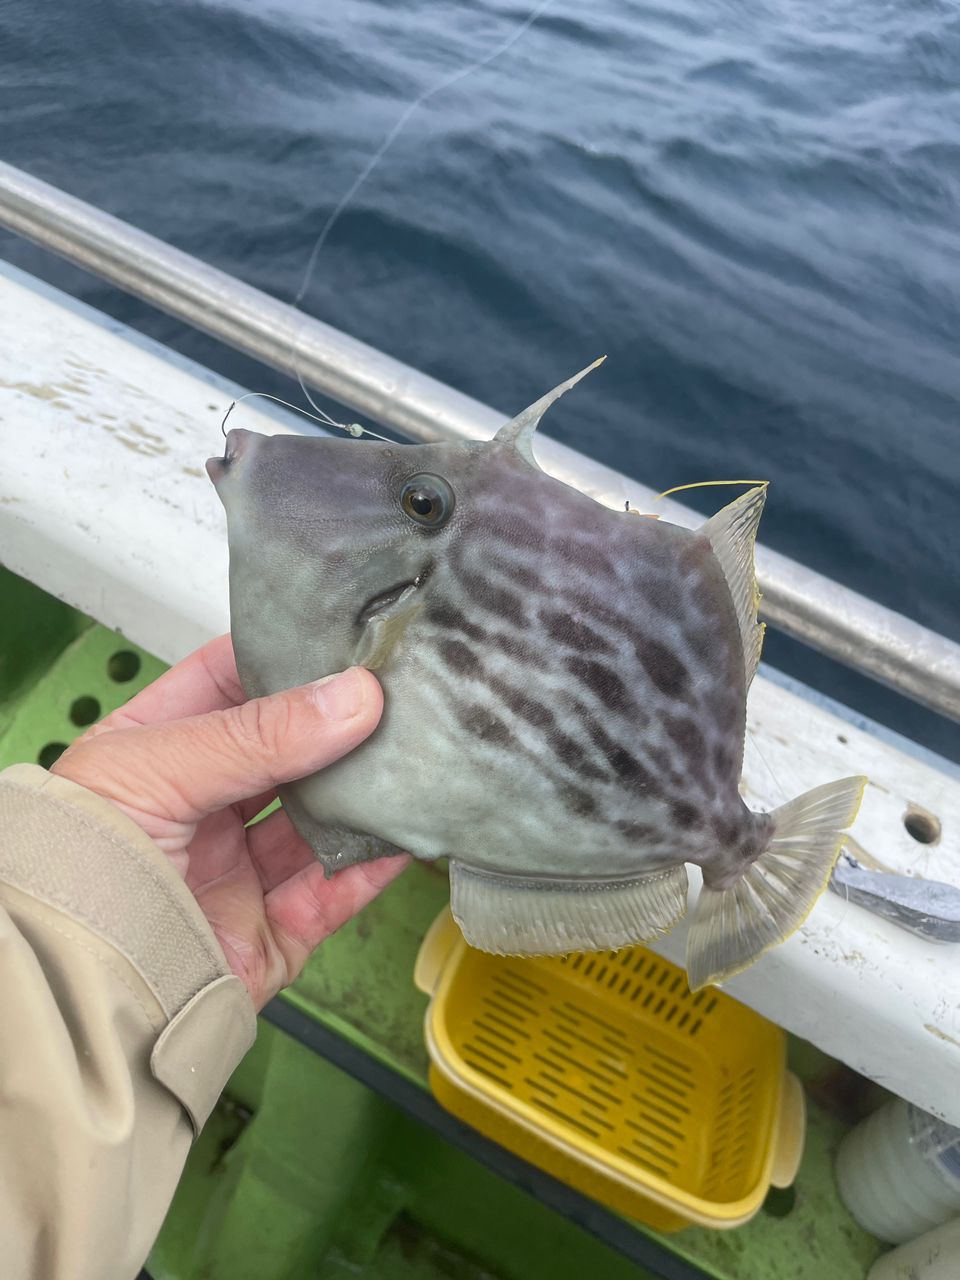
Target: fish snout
{"x":239,"y":445}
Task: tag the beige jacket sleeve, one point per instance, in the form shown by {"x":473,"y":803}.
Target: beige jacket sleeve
{"x":119,"y":1026}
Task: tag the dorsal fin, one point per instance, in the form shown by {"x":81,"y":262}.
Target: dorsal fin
{"x":519,"y":430}
{"x":733,"y":534}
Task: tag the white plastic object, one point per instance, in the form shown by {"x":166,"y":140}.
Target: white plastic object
{"x":898,"y":1172}
{"x":934,"y":1256}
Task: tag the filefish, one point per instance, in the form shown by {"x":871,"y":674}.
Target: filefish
{"x":565,"y":690}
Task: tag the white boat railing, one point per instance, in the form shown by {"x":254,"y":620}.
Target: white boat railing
{"x":839,"y":622}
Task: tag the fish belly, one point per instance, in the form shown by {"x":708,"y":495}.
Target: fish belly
{"x":424,"y":786}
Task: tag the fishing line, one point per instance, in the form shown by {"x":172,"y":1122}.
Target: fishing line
{"x":352,"y":428}
{"x":763,"y":760}
{"x":447,"y":82}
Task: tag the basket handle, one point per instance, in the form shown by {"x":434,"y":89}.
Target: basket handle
{"x":435,"y":950}
{"x":791,"y":1131}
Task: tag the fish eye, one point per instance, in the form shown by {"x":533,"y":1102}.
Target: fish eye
{"x":428,"y":500}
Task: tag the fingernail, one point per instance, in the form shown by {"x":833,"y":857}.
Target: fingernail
{"x":340,"y":697}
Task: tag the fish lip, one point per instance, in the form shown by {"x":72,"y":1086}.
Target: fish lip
{"x":383,"y":601}
{"x":236,"y":446}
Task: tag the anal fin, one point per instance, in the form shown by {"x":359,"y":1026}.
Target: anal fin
{"x":524,"y":916}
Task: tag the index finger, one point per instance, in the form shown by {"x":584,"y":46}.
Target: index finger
{"x":207,"y":680}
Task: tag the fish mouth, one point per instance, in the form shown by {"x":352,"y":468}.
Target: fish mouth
{"x":384,"y":602}
{"x":237,"y":445}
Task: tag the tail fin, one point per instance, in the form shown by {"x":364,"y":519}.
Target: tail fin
{"x":731,"y":928}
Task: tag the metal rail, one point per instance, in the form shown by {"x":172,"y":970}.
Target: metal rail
{"x":839,"y":622}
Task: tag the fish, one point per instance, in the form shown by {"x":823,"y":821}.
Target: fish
{"x":565,"y":690}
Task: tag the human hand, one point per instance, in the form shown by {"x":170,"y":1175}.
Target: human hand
{"x":191,"y":761}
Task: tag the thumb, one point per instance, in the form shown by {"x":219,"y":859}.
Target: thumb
{"x":183,"y":770}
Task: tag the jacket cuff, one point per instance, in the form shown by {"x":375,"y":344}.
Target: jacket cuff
{"x":78,"y":853}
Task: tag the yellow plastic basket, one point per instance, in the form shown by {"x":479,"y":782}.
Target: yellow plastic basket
{"x":605,"y":1071}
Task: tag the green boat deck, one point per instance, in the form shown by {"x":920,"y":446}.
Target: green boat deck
{"x":327,"y":1156}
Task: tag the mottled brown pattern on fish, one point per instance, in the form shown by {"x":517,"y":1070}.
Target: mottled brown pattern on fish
{"x":557,"y":748}
{"x":601,"y":680}
{"x":684,"y":815}
{"x":586,"y":557}
{"x":629,"y":770}
{"x":662,"y":594}
{"x":487,"y":727}
{"x":565,"y":629}
{"x":485,"y":595}
{"x":573,"y":633}
{"x":447,"y":618}
{"x":684,"y":732}
{"x":579,"y":800}
{"x":519,"y":576}
{"x":664,"y":668}
{"x":458,"y":656}
{"x":525,"y":535}
{"x":579,"y":657}
{"x":513,"y":646}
